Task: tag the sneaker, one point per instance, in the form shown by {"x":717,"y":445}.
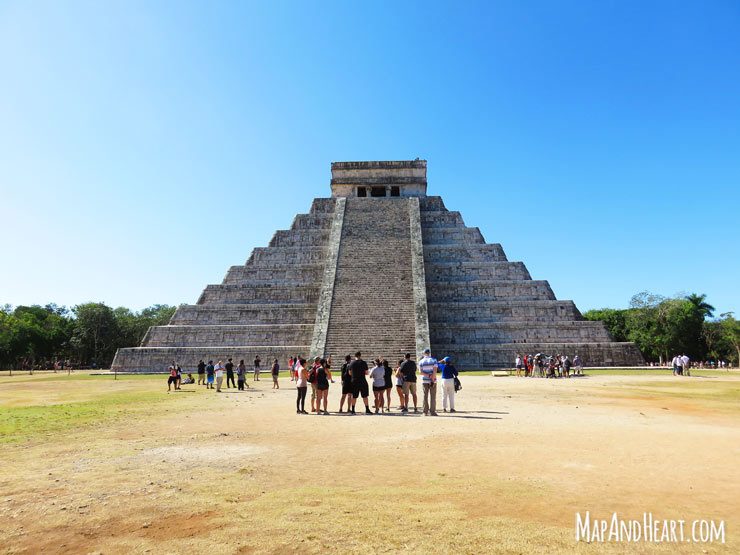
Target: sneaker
{"x":326,"y":413}
{"x":404,"y":409}
{"x":376,"y":410}
{"x":433,"y":414}
{"x":444,"y":410}
{"x":298,"y":412}
{"x":340,"y":410}
{"x":368,"y":411}
{"x":453,"y":410}
{"x":303,"y":412}
{"x":416,"y":410}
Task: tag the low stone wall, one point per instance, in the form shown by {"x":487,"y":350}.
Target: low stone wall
{"x":228,"y":335}
{"x":478,"y":270}
{"x":500,"y":311}
{"x":486,"y":290}
{"x":215,"y":314}
{"x":519,"y":332}
{"x":461,"y":253}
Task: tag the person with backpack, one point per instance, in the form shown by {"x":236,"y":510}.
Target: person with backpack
{"x":346,"y":385}
{"x":323,"y":377}
{"x":388,"y":377}
{"x":301,"y":383}
{"x":408,"y":371}
{"x":449,"y":373}
{"x":241,"y":375}
{"x":201,"y":372}
{"x":358,"y":370}
{"x":428,"y":367}
{"x":219,"y":371}
{"x":209,"y":374}
{"x":256,"y":368}
{"x":312,"y":377}
{"x":229,"y":374}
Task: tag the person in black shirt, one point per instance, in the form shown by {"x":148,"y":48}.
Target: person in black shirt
{"x":408,"y":369}
{"x":209,"y":374}
{"x":346,"y":385}
{"x":201,"y":373}
{"x":388,"y":384}
{"x":230,"y":373}
{"x":358,"y":370}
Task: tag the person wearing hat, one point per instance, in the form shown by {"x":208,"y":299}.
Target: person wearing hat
{"x":428,"y":367}
{"x":449,"y":372}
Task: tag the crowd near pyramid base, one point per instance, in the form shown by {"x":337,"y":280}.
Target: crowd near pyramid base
{"x":382,"y":268}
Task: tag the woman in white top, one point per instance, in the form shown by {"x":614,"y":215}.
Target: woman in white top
{"x":378,"y":376}
{"x":301,"y":383}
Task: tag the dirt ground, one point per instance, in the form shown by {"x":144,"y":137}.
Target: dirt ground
{"x":241,"y":472}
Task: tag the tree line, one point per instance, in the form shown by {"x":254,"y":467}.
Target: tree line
{"x":663,"y":327}
{"x":40,"y":336}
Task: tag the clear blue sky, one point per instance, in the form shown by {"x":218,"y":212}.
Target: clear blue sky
{"x":147,"y":146}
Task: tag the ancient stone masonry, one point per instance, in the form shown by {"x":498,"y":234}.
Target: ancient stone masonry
{"x":383,"y":268}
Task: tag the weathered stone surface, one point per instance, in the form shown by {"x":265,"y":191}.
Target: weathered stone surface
{"x":384,"y":274}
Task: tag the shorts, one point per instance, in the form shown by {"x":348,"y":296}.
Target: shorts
{"x":360,"y":388}
{"x":347,"y":388}
{"x":313,"y":391}
{"x":399,"y":382}
{"x":379,"y":388}
{"x":202,"y":373}
{"x":171,"y":379}
{"x":274,"y":377}
{"x":323,"y":387}
{"x":409,"y":387}
{"x":388,"y":385}
{"x":210,"y":379}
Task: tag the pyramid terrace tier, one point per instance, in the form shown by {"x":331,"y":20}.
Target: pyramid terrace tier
{"x":300,"y":238}
{"x":453,"y":253}
{"x":228,"y":335}
{"x":225,"y":314}
{"x":260,"y":292}
{"x":276,"y":256}
{"x":295,"y":273}
{"x":471,"y":333}
{"x":444,"y":312}
{"x":488,"y":290}
{"x":157,"y":359}
{"x":475,"y":271}
{"x":502,"y":355}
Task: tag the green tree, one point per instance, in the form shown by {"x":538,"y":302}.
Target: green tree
{"x":730,"y":329}
{"x":699,"y":301}
{"x":96,"y":333}
{"x":614,"y":319}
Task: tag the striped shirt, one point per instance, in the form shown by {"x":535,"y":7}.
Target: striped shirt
{"x":427,"y":365}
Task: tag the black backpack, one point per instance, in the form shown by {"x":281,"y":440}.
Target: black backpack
{"x":458,"y":385}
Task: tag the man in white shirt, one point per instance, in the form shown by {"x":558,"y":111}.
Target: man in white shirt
{"x":677,"y":363}
{"x":686,"y":368}
{"x":219,"y":369}
{"x":428,"y":368}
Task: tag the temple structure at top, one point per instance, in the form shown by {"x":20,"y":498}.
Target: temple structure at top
{"x":383,"y":268}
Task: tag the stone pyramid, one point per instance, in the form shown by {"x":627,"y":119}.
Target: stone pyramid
{"x":383,"y":268}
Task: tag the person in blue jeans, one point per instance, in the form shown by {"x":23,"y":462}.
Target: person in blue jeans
{"x":449,"y":373}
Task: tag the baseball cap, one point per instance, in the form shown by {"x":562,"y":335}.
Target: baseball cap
{"x":427,"y":351}
{"x":446,"y":359}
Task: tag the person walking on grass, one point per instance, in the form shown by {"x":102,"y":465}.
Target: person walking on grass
{"x":578,"y":364}
{"x":346,"y":385}
{"x":408,"y":371}
{"x":358,"y":370}
{"x":201,"y":372}
{"x":229,"y":373}
{"x":219,"y":371}
{"x":377,"y":374}
{"x":449,"y":373}
{"x":209,"y":375}
{"x":275,"y":371}
{"x":301,"y":383}
{"x":257,"y":362}
{"x":241,"y":375}
{"x":323,"y":377}
{"x":428,"y":367}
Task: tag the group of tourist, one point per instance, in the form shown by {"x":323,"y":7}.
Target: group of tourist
{"x":547,"y":366}
{"x":210,"y":374}
{"x":354,"y":374}
{"x":681,"y":365}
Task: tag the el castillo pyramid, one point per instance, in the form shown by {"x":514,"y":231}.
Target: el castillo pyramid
{"x":383,"y":268}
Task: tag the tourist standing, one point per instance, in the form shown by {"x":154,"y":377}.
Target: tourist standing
{"x":358,"y":370}
{"x":399,"y":384}
{"x":219,"y":371}
{"x":172,"y":379}
{"x":257,"y":368}
{"x":241,"y":375}
{"x":312,"y":377}
{"x":517,"y":362}
{"x":377,"y":374}
{"x":201,"y":372}
{"x":275,"y":371}
{"x":346,"y":385}
{"x":323,"y":376}
{"x":179,"y":375}
{"x":291,"y":370}
{"x":388,"y":377}
{"x":301,"y":383}
{"x":686,"y":365}
{"x":209,"y":374}
{"x":449,"y":373}
{"x":428,"y":368}
{"x":229,"y":373}
{"x":408,"y":370}
{"x":566,"y":366}
{"x":578,"y":363}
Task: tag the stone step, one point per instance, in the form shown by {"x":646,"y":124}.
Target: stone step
{"x":464,"y":252}
{"x":300,"y":237}
{"x":452,"y":236}
{"x":299,"y":273}
{"x":441,"y":218}
{"x":323,"y":205}
{"x":321,"y":220}
{"x":287,"y":255}
{"x":260,"y":293}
